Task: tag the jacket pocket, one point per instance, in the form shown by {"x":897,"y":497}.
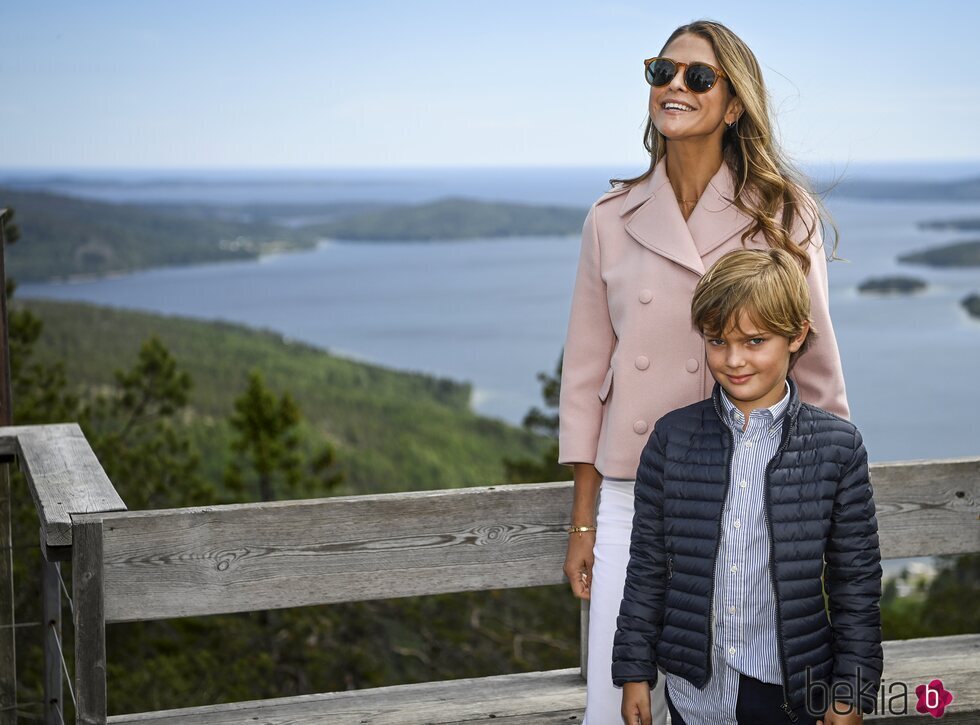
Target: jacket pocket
{"x":606,"y":385}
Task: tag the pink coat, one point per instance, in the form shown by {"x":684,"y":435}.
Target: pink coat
{"x":631,"y":354}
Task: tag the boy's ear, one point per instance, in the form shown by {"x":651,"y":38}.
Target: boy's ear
{"x":797,"y":342}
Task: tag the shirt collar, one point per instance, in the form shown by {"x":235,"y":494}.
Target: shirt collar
{"x":735,"y":419}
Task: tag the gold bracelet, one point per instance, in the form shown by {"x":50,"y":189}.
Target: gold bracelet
{"x":580,"y":529}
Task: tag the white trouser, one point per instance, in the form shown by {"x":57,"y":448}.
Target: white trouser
{"x":612,"y":553}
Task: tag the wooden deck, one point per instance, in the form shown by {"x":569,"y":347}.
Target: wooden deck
{"x":558,"y":696}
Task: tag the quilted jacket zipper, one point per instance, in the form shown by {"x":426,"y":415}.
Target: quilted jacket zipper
{"x":779,"y":606}
{"x":721,"y":513}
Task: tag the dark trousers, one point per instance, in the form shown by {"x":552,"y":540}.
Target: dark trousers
{"x":758,"y":703}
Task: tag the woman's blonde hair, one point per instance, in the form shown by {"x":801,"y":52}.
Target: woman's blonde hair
{"x":760,"y":168}
{"x":767,"y":284}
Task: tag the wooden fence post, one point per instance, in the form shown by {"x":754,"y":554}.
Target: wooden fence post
{"x":89,"y":617}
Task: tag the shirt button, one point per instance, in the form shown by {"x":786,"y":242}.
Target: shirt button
{"x":737,"y":524}
{"x":640,"y":427}
{"x":732,"y":610}
{"x":731,"y":650}
{"x":748,"y":444}
{"x":743,"y":483}
{"x":645,"y":296}
{"x":642,"y":362}
{"x":734,"y":568}
{"x":692,"y":365}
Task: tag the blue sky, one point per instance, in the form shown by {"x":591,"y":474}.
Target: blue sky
{"x":243,"y":84}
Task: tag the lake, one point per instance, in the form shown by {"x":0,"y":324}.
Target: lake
{"x":494,"y":311}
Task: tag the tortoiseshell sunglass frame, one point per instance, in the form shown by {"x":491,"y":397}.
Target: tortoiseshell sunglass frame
{"x":683,"y":68}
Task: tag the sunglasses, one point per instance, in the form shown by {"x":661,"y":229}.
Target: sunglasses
{"x":698,"y":77}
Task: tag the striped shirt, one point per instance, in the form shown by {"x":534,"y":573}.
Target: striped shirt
{"x":744,"y":618}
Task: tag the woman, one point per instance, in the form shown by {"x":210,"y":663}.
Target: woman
{"x":717,"y":181}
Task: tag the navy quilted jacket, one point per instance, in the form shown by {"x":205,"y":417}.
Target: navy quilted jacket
{"x":822,"y":523}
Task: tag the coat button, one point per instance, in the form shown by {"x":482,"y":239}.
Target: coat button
{"x":692,"y":365}
{"x":642,"y":362}
{"x":640,"y":427}
{"x":645,"y":296}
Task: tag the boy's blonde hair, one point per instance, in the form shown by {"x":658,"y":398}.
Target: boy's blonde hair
{"x":768,"y":285}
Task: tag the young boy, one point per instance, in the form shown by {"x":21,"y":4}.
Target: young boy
{"x":748,"y":505}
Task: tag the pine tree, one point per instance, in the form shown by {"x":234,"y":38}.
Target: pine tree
{"x":269,"y":449}
{"x":545,"y":423}
{"x":135,"y":431}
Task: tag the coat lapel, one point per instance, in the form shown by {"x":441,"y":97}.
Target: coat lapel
{"x":654,"y":218}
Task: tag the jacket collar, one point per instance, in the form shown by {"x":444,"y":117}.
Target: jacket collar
{"x":789,"y":416}
{"x":655,"y":219}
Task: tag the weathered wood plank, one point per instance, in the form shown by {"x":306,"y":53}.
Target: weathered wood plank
{"x":210,"y":560}
{"x":535,"y":697}
{"x":89,"y":620}
{"x":184,"y":562}
{"x":954,"y":660}
{"x":927,"y":508}
{"x":547,"y":697}
{"x":63,"y":474}
{"x":51,"y":624}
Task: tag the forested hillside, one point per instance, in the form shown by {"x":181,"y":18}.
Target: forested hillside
{"x":185,"y":413}
{"x":392,"y":431}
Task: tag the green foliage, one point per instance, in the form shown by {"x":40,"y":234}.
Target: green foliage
{"x":454,"y":218}
{"x":267,"y":441}
{"x":145,"y":452}
{"x":545,"y":467}
{"x":11,"y":232}
{"x":256,"y":655}
{"x":944,"y":606}
{"x":69,"y":236}
{"x":391,"y":431}
{"x":39,"y":387}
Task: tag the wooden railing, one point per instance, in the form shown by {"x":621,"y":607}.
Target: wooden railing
{"x":144,"y":565}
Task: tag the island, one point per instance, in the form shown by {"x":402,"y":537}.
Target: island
{"x":454,"y":219}
{"x":971,"y":224}
{"x":971,"y":303}
{"x":967,"y":189}
{"x":892,"y":285}
{"x":960,"y":254}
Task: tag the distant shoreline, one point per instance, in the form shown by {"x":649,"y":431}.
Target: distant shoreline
{"x":71,"y":239}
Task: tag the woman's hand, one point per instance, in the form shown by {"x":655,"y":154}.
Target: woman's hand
{"x":579,"y":556}
{"x":636,"y":703}
{"x":578,"y":563}
{"x":852,"y":715}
